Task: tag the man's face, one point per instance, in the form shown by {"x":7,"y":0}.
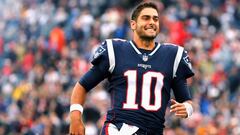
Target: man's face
{"x":147,"y":24}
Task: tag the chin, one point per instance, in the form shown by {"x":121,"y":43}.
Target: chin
{"x":151,"y":34}
{"x":148,"y":37}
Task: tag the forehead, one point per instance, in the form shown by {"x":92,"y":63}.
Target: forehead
{"x":149,"y":12}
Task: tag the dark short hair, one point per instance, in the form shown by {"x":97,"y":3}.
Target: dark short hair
{"x":140,"y":7}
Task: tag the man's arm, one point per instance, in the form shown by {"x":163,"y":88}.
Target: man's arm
{"x":182,"y":106}
{"x":100,"y":70}
{"x":182,"y":110}
{"x":78,"y":98}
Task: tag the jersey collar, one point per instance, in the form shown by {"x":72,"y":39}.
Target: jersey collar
{"x":139,"y":52}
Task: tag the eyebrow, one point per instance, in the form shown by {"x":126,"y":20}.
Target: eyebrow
{"x":154,"y":16}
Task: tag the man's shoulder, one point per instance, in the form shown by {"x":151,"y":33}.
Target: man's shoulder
{"x":170,"y":47}
{"x":118,"y":41}
{"x":115,"y":42}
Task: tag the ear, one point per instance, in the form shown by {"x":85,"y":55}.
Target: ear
{"x":133,"y":24}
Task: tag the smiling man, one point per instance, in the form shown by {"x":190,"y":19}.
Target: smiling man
{"x":142,"y":74}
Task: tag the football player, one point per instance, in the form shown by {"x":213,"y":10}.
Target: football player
{"x":141,"y":74}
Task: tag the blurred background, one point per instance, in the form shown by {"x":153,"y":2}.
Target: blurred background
{"x":46,"y":46}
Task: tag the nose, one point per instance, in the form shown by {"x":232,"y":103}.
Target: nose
{"x":152,"y":21}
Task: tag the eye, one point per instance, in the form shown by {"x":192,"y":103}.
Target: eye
{"x":145,"y":17}
{"x":155,"y":18}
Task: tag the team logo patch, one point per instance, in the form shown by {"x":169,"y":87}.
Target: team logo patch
{"x":187,"y":61}
{"x":98,"y":52}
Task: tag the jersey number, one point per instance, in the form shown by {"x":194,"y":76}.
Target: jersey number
{"x":146,"y":90}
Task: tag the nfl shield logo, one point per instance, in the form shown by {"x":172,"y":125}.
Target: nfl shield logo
{"x":145,"y":57}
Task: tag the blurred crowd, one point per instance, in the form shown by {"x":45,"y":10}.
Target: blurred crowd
{"x":46,"y":46}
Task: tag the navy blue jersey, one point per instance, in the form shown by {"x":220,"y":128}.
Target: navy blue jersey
{"x":140,"y":81}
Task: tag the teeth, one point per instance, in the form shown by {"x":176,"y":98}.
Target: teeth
{"x":150,"y":29}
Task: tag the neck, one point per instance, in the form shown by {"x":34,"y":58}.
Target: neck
{"x":144,"y":44}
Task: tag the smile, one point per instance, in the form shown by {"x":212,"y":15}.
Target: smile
{"x":152,"y":28}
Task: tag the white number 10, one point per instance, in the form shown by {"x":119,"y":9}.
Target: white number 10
{"x":146,"y":90}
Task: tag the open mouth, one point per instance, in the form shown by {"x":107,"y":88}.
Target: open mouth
{"x":150,"y":28}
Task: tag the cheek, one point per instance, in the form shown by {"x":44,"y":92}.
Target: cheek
{"x":140,"y":26}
